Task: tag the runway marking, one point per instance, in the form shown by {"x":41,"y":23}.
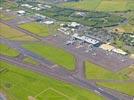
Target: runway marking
{"x":54,"y":91}
{"x":54,"y":66}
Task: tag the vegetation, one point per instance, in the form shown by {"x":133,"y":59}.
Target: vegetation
{"x":8,"y":4}
{"x":53,"y":54}
{"x":8,"y":51}
{"x":83,"y":4}
{"x":40,"y":29}
{"x":95,"y":19}
{"x":101,"y":5}
{"x":13,"y":34}
{"x":6,"y":17}
{"x":127,"y":87}
{"x":21,"y":84}
{"x":94,"y":71}
{"x":128,"y":28}
{"x":30,"y":61}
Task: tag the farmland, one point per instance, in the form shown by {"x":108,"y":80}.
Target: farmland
{"x":84,"y":5}
{"x":13,"y":34}
{"x":53,"y":54}
{"x":14,"y":80}
{"x":102,"y":5}
{"x":39,"y":29}
{"x":9,"y":51}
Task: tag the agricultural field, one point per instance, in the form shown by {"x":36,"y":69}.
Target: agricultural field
{"x":13,"y":34}
{"x":22,"y":84}
{"x":8,"y":51}
{"x":101,"y":5}
{"x":53,"y":54}
{"x":84,"y":4}
{"x":114,"y":5}
{"x":40,"y":29}
{"x":93,"y":71}
{"x":127,"y":87}
{"x":127,"y":28}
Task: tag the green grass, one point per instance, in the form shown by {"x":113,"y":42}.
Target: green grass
{"x":128,"y":28}
{"x":13,"y":34}
{"x":8,"y":51}
{"x":30,"y":61}
{"x":40,"y":29}
{"x":130,"y":5}
{"x":6,"y":17}
{"x":94,"y":71}
{"x":112,"y":5}
{"x":102,"y":5}
{"x":127,"y":88}
{"x":53,"y":54}
{"x":19,"y":84}
{"x":84,"y":4}
{"x":6,"y":4}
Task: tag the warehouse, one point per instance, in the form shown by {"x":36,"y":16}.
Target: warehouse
{"x":110,"y":48}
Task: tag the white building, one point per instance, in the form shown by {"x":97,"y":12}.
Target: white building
{"x":21,"y":12}
{"x":86,"y":39}
{"x":26,"y":5}
{"x":64,"y":30}
{"x":74,"y":24}
{"x":110,"y":48}
{"x":48,"y":22}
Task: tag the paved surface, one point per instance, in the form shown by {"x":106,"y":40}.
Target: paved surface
{"x":2,"y":96}
{"x":111,"y":61}
{"x":63,"y":76}
{"x":58,"y":72}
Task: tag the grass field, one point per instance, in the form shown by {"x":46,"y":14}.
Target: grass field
{"x":127,"y":88}
{"x":40,"y":29}
{"x":93,"y":71}
{"x":21,"y":84}
{"x":127,"y":28}
{"x":84,"y":4}
{"x":6,"y":17}
{"x":102,"y":5}
{"x":13,"y":34}
{"x":30,"y":61}
{"x":53,"y":54}
{"x":6,"y":50}
{"x":112,"y":5}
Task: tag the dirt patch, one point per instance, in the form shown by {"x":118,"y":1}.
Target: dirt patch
{"x":119,"y":30}
{"x":132,"y":56}
{"x":131,"y":73}
{"x":31,"y":98}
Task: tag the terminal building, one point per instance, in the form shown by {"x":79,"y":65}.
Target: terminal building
{"x":86,"y":39}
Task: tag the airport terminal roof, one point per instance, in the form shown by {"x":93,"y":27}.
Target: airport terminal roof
{"x":86,"y":39}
